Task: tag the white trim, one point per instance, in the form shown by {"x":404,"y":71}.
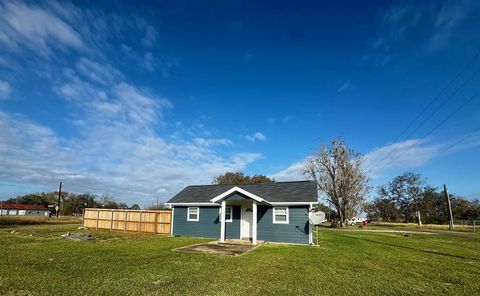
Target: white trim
{"x":239,"y":190}
{"x":171,"y":229}
{"x":254,"y":222}
{"x":222,"y":222}
{"x":241,"y":219}
{"x":293,"y":203}
{"x":192,"y":204}
{"x":310,"y":227}
{"x":188,"y":214}
{"x":280,"y":222}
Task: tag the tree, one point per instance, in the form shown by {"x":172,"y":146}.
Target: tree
{"x":338,"y":173}
{"x":237,"y":178}
{"x":382,"y":209}
{"x":406,"y":191}
{"x":135,"y":207}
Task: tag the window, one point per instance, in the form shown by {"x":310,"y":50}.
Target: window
{"x":280,"y":215}
{"x":228,"y":213}
{"x":193,"y":213}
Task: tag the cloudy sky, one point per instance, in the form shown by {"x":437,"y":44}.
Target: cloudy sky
{"x":138,"y":100}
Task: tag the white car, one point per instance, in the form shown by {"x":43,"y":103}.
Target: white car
{"x":355,"y":220}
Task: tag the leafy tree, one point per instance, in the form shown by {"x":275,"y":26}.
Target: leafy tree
{"x":338,"y":173}
{"x":382,"y":209}
{"x":408,"y":195}
{"x":73,"y":204}
{"x":70,"y":203}
{"x":135,"y":207}
{"x":406,"y":191}
{"x":238,"y":178}
{"x":158,"y":206}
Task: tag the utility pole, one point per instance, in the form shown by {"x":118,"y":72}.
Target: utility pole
{"x":450,"y":215}
{"x":59,"y":196}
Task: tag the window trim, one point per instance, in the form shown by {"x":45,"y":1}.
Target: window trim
{"x":198,"y":214}
{"x":287,"y":220}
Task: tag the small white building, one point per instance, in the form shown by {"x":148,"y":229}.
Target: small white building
{"x":8,"y":209}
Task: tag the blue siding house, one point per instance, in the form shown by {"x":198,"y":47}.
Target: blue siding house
{"x":271,"y":212}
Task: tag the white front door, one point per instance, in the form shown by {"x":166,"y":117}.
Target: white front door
{"x":246,"y":223}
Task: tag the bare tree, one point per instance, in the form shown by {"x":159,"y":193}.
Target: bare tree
{"x":338,"y":172}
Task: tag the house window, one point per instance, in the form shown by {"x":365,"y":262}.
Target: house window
{"x":228,"y":213}
{"x":193,"y":213}
{"x":280,"y":215}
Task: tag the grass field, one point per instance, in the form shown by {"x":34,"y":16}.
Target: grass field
{"x":5,"y":221}
{"x":36,"y":261}
{"x":459,"y":226}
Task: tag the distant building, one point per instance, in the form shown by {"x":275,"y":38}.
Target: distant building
{"x":7,"y":209}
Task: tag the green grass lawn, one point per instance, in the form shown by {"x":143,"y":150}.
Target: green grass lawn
{"x":5,"y":221}
{"x":36,"y":261}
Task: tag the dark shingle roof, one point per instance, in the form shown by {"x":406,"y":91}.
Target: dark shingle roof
{"x":297,"y":191}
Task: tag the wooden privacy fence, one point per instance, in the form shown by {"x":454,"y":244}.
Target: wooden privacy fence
{"x":129,"y":220}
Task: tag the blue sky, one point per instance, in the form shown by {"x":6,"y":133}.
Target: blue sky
{"x":138,"y":100}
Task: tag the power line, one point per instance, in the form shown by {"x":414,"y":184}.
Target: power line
{"x":459,"y":141}
{"x":384,"y":155}
{"x":439,"y":124}
{"x":435,"y":98}
{"x":449,"y":98}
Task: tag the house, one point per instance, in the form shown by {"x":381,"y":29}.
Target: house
{"x":8,"y":209}
{"x":272,"y":212}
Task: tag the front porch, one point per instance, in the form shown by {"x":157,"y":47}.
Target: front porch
{"x":248,"y":202}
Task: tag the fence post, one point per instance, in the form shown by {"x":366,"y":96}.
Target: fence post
{"x":156,"y":221}
{"x":98,"y":218}
{"x":140,"y":222}
{"x":111,"y":222}
{"x":126,"y":216}
{"x":473,"y":225}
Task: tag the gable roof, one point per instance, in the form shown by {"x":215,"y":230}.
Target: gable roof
{"x":296,"y":191}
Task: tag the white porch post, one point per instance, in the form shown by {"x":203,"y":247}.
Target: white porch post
{"x":222,"y":222}
{"x":254,"y":225}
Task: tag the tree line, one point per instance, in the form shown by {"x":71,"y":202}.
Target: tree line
{"x":409,"y":198}
{"x":342,"y":180}
{"x":72,"y":203}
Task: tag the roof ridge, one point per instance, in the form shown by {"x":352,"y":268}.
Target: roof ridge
{"x":281,"y":182}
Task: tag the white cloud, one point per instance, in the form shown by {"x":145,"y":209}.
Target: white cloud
{"x":284,"y":120}
{"x":418,"y":23}
{"x":5,"y":89}
{"x":256,"y":137}
{"x":150,"y":36}
{"x":344,"y":85}
{"x":212,"y":142}
{"x":31,"y":26}
{"x":116,"y":141}
{"x":101,"y":73}
{"x":291,"y":173}
{"x":400,"y":155}
{"x":449,"y":17}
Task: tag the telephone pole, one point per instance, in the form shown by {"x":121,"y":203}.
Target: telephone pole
{"x":59,"y":196}
{"x":450,"y":215}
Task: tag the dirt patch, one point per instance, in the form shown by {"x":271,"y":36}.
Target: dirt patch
{"x":219,"y":249}
{"x":78,"y":236}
